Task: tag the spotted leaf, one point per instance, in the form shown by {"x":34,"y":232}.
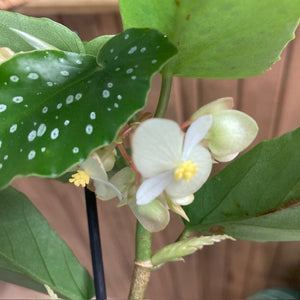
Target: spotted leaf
{"x":57,"y":107}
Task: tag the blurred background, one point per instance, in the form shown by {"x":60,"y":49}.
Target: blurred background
{"x":228,"y":270}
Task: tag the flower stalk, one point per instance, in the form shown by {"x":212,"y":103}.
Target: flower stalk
{"x":143,"y":266}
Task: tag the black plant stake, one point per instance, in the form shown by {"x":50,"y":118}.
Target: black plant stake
{"x":95,"y":245}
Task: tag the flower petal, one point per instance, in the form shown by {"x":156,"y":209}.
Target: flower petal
{"x":94,"y":168}
{"x":181,"y":188}
{"x":156,"y":146}
{"x":105,"y":190}
{"x":195,"y":134}
{"x":226,"y":158}
{"x":232,"y":131}
{"x":213,"y":107}
{"x":183,"y":200}
{"x":154,"y":216}
{"x":153,"y":187}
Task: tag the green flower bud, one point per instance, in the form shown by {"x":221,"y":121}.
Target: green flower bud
{"x":231,"y":132}
{"x":154,"y":216}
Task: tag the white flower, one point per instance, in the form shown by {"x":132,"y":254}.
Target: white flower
{"x":170,"y":160}
{"x":93,"y":168}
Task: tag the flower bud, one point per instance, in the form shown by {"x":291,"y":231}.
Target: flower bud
{"x":108,"y":157}
{"x":154,"y":216}
{"x":231,"y":132}
{"x":5,"y":54}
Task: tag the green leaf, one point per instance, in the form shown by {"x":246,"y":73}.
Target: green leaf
{"x":244,"y":199}
{"x":218,"y":38}
{"x":57,"y":107}
{"x":277,"y":293}
{"x":42,"y":28}
{"x":32,"y":254}
{"x":93,"y":47}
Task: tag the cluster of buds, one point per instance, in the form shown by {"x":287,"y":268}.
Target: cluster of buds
{"x":169,"y":165}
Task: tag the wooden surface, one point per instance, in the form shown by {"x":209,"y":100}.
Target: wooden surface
{"x":8,"y":4}
{"x":68,"y":7}
{"x":228,"y":270}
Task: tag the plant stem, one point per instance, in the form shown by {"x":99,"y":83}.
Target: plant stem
{"x":143,"y":266}
{"x":164,"y":96}
{"x":95,"y":244}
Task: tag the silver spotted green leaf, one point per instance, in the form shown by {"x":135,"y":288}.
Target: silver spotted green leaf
{"x":57,"y":107}
{"x":32,"y":254}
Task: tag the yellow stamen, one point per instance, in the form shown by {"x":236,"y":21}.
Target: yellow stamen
{"x":186,"y":170}
{"x":80,"y":178}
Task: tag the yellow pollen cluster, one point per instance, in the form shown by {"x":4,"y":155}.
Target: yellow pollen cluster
{"x":186,"y":170}
{"x":80,"y":178}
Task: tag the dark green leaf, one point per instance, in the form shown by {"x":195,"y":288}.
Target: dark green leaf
{"x":42,"y":28}
{"x":242,"y":200}
{"x":277,"y":293}
{"x":57,"y":107}
{"x":218,"y":38}
{"x":93,"y":47}
{"x":32,"y":254}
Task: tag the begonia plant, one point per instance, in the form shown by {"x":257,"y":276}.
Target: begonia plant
{"x":73,"y":109}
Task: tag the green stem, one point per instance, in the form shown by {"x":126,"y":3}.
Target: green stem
{"x":164,"y":96}
{"x":143,"y":266}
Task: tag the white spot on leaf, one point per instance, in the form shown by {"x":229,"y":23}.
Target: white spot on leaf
{"x":89,"y":129}
{"x":45,"y":109}
{"x":2,"y":107}
{"x":110,"y":85}
{"x":13,"y":128}
{"x":17,"y":99}
{"x":64,"y":73}
{"x":92,"y":115}
{"x":75,"y":150}
{"x":59,"y":106}
{"x":119,"y":97}
{"x":14,"y":78}
{"x":69,"y":99}
{"x":33,"y":76}
{"x":31,"y":155}
{"x":105,"y":93}
{"x":130,"y":70}
{"x":54,"y":133}
{"x":132,"y":50}
{"x":143,"y":49}
{"x":154,"y":61}
{"x":43,"y":149}
{"x":126,"y":37}
{"x":78,"y":96}
{"x":67,"y":122}
{"x":41,"y":130}
{"x":31,"y":135}
{"x":116,"y":105}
